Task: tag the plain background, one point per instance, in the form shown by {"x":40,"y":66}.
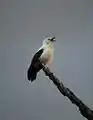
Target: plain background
{"x":23,"y":25}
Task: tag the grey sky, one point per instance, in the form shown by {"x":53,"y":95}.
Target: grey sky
{"x":23,"y":23}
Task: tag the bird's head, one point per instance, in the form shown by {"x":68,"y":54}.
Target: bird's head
{"x":48,"y":41}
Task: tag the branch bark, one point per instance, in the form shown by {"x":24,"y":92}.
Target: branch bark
{"x":84,"y":110}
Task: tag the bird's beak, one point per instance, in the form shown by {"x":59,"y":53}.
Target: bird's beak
{"x":53,"y":39}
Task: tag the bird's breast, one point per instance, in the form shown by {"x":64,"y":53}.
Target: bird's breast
{"x":47,"y":56}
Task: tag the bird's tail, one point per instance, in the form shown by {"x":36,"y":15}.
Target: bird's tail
{"x":31,"y":74}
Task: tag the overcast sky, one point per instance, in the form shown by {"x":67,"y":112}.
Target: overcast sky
{"x":23,"y":25}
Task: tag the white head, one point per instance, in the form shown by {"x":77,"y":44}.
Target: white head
{"x":48,"y":41}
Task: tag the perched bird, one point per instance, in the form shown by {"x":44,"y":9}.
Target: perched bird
{"x":43,"y":56}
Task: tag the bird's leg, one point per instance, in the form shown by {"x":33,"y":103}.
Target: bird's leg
{"x":43,"y":65}
{"x":41,"y":62}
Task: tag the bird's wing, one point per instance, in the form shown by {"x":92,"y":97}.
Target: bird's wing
{"x":36,"y":56}
{"x":35,"y":65}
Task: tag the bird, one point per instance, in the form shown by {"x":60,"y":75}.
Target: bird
{"x":43,"y":56}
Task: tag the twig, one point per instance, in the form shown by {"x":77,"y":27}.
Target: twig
{"x":84,"y":110}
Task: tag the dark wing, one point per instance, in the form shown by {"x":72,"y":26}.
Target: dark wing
{"x":37,"y":56}
{"x":35,"y":66}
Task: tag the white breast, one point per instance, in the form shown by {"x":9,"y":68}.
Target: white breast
{"x":47,"y":56}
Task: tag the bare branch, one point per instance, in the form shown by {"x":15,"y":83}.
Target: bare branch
{"x":84,"y":110}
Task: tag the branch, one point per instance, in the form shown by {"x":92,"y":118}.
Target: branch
{"x":84,"y":110}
